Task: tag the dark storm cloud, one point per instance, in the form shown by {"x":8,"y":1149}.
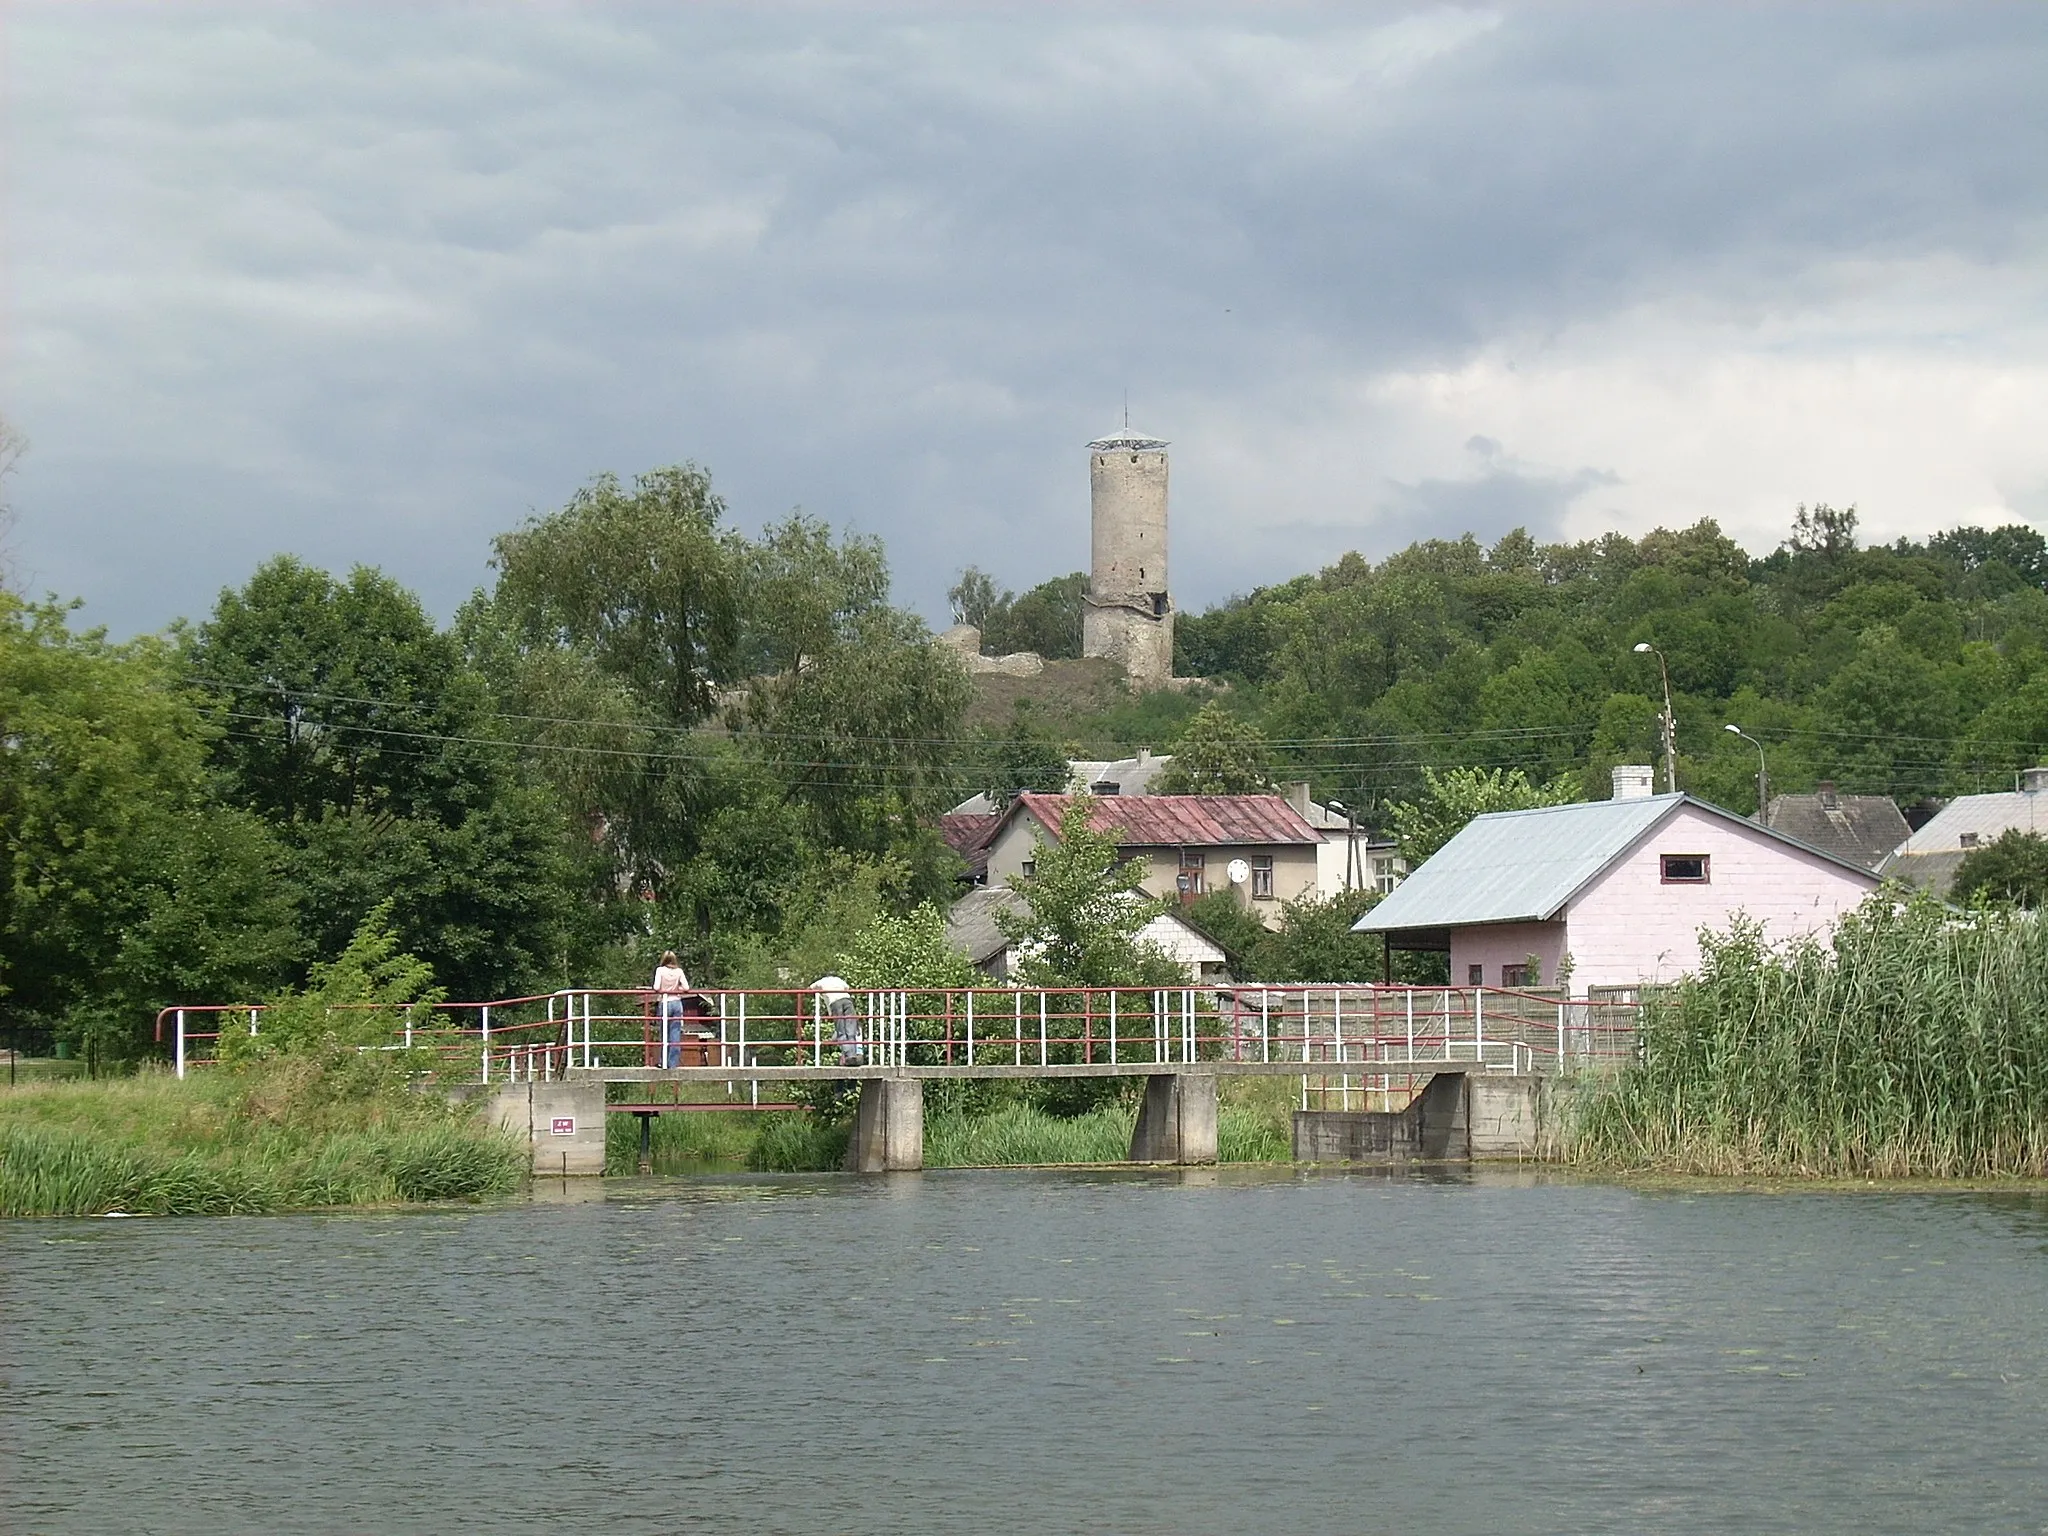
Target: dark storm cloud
{"x":374,"y":284}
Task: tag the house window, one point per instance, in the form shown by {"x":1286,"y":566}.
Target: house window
{"x":1386,"y":874}
{"x":1475,"y":975}
{"x":1191,"y":882}
{"x":1262,"y":876}
{"x":1685,"y":869}
{"x":1514,"y":976}
{"x":1966,"y":840}
{"x":1030,"y":868}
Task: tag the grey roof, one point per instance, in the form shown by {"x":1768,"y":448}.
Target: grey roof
{"x":1131,"y":775}
{"x":1929,"y":857}
{"x":1864,"y":829}
{"x":971,"y":922}
{"x":1523,"y":866}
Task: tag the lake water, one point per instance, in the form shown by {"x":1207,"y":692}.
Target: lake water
{"x":1146,"y":1352}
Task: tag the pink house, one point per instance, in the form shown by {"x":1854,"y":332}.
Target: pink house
{"x":1608,"y":894}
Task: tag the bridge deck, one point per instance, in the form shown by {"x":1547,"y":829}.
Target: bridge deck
{"x":838,"y":1074}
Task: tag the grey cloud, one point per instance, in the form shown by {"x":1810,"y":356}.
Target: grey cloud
{"x":375,"y":283}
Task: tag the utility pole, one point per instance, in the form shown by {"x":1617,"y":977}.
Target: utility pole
{"x":1670,"y":720}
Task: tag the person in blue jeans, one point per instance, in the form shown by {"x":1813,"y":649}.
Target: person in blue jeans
{"x":669,"y":986}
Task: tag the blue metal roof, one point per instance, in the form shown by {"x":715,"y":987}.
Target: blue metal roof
{"x":1523,"y":866}
{"x":1517,"y":866}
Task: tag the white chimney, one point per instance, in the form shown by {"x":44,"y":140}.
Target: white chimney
{"x":1634,"y":781}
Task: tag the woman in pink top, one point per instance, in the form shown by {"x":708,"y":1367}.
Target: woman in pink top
{"x":669,"y":986}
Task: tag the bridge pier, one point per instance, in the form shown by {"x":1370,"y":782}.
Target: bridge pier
{"x":1177,"y":1122}
{"x":888,"y":1127}
{"x":562,"y":1122}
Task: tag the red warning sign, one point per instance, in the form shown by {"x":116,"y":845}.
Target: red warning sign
{"x":563,"y":1125}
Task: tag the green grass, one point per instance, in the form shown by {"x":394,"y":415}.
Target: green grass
{"x":1915,"y":1046}
{"x":217,"y":1145}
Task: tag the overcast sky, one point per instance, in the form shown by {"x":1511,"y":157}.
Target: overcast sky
{"x":371,"y":283}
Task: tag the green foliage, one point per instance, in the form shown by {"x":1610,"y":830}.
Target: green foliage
{"x":1217,"y":754}
{"x":347,"y":1012}
{"x":365,"y":741}
{"x":1313,"y":942}
{"x":2012,"y":868}
{"x":1023,"y":759}
{"x":1046,"y":619}
{"x":1915,"y":1044}
{"x":125,"y":886}
{"x":1452,"y":798}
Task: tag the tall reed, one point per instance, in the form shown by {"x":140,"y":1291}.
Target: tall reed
{"x":1915,"y":1044}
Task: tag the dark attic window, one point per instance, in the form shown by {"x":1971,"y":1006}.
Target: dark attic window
{"x":1685,"y":869}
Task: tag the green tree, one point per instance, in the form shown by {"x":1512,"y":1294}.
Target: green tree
{"x":355,"y":728}
{"x":1453,"y":797}
{"x":126,"y":886}
{"x":2013,"y":867}
{"x":1046,"y":619}
{"x":1021,"y":760}
{"x":642,"y":578}
{"x":1218,"y":754}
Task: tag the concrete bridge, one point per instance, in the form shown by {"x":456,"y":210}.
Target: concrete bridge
{"x":1385,"y":1072}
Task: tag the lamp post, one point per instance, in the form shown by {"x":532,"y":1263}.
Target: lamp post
{"x":1350,"y":843}
{"x":1763,"y":782}
{"x":1670,"y":720}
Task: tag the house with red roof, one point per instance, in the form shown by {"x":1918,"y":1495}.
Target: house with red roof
{"x":1190,"y":844}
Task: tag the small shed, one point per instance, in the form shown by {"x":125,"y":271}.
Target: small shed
{"x":1611,"y":894}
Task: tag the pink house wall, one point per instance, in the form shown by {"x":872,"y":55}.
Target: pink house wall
{"x":1493,"y":945}
{"x":1628,"y":926}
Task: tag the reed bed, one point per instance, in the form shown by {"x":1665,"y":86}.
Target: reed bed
{"x":1914,"y":1045}
{"x":156,"y":1146}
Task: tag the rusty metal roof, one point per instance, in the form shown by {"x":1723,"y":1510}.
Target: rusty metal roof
{"x":1179,"y":821}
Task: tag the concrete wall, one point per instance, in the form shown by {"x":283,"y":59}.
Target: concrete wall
{"x":1628,"y":926}
{"x":1457,"y":1116}
{"x":888,"y":1127}
{"x":1493,"y":945}
{"x":1177,"y":1122}
{"x":1294,"y":874}
{"x":563,"y":1124}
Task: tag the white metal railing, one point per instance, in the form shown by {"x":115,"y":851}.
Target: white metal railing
{"x":1343,"y":1031}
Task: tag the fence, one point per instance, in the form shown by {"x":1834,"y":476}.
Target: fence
{"x":1331,"y":1031}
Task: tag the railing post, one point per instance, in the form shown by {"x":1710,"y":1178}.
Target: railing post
{"x":1018,"y":1038}
{"x":1041,"y":1027}
{"x":487,"y":1044}
{"x":970,"y":1026}
{"x":1265,"y":1026}
{"x":181,"y":1042}
{"x":1479,"y":1023}
{"x":1560,"y":1034}
{"x":1112,"y":1026}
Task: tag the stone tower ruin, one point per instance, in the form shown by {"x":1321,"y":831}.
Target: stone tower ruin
{"x":1127,"y":615}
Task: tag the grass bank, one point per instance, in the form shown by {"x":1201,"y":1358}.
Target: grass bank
{"x":221,"y":1145}
{"x":1915,"y":1046}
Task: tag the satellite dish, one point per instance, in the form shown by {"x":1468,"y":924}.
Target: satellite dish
{"x":1239,"y":871}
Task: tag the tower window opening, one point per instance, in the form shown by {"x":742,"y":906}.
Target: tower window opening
{"x":1158,"y":605}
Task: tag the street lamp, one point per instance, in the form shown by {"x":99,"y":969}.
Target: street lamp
{"x":1763,"y":783}
{"x":1350,"y":843}
{"x":1670,"y":720}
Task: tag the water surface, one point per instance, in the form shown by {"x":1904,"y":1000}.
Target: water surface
{"x":1144,"y":1351}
